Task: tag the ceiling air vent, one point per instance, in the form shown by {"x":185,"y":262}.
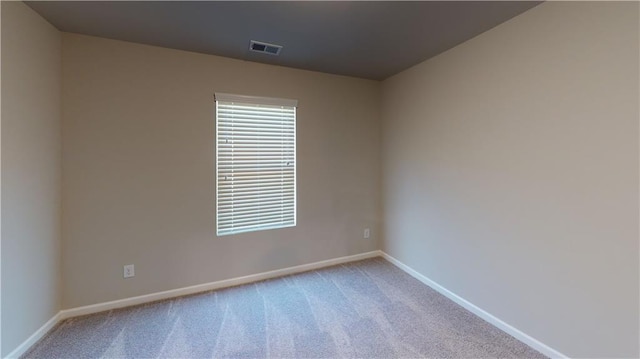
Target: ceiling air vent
{"x":265,"y":48}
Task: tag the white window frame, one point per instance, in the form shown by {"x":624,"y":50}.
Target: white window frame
{"x":254,"y":101}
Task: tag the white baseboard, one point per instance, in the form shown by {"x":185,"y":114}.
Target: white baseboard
{"x":127,"y":302}
{"x":26,"y":345}
{"x":516,"y":333}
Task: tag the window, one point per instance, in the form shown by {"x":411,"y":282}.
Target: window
{"x":255,"y":163}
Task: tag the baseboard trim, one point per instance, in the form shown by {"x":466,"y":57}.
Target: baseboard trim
{"x":26,"y":345}
{"x":127,"y":302}
{"x":493,"y":320}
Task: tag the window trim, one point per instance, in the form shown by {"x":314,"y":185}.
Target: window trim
{"x":257,"y":100}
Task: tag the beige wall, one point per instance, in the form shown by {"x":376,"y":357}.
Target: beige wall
{"x":31,"y":172}
{"x":511,"y":174}
{"x":139,"y":166}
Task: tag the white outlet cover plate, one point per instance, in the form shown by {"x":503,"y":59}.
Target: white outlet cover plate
{"x":129,"y":271}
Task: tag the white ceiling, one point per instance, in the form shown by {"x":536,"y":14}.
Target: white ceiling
{"x":364,"y":39}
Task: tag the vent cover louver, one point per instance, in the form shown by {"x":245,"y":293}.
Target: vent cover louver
{"x":265,"y":48}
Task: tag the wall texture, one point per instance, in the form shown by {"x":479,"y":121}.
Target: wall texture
{"x":31,"y":173}
{"x":510,"y":174}
{"x":139,"y":169}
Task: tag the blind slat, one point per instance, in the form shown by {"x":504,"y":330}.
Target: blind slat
{"x":256,"y":179}
{"x":258,"y":207}
{"x":238,"y":202}
{"x":251,"y":228}
{"x":257,"y":220}
{"x":258,"y":195}
{"x":238,"y":216}
{"x":252,"y":205}
{"x":233,"y":188}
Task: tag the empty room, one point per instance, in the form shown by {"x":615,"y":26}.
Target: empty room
{"x":302,"y":179}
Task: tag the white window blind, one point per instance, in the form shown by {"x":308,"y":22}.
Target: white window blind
{"x":255,"y":163}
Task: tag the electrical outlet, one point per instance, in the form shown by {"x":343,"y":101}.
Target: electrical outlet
{"x":129,"y":271}
{"x":367,"y":233}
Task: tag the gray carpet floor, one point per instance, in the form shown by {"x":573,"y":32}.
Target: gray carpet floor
{"x":365,"y":309}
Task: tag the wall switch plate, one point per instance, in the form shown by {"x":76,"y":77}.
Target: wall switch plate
{"x":129,"y":271}
{"x":367,"y":233}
